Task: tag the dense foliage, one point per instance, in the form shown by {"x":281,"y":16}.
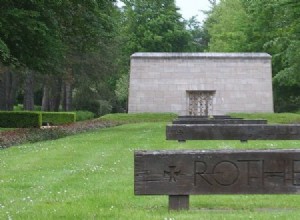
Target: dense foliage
{"x":58,"y":118}
{"x":54,"y":52}
{"x":257,"y":26}
{"x":17,"y":119}
{"x":74,"y":55}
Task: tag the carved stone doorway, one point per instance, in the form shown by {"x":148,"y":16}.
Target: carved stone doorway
{"x":200,"y":103}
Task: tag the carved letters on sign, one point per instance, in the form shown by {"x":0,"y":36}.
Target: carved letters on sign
{"x":217,"y":172}
{"x":227,"y":173}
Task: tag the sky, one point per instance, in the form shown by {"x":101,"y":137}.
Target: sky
{"x":189,"y":8}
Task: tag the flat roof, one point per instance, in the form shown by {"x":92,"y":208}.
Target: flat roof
{"x":155,"y":55}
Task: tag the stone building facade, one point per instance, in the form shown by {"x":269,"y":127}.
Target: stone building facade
{"x":200,"y":83}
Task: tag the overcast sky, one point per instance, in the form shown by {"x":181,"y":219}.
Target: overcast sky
{"x":191,"y":8}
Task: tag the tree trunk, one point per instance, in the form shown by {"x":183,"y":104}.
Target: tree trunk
{"x":28,"y":102}
{"x":56,"y":94}
{"x":8,"y":85}
{"x":51,"y":94}
{"x":67,"y":91}
{"x":12,"y":92}
{"x":2,"y":91}
{"x":45,"y":101}
{"x":66,"y":96}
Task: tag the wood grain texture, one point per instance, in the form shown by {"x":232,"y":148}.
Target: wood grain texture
{"x":179,"y":202}
{"x":184,"y":172}
{"x":205,"y":116}
{"x":217,"y":121}
{"x":233,"y":132}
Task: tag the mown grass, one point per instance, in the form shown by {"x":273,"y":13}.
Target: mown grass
{"x":278,"y":118}
{"x":90,"y":176}
{"x":6,"y":129}
{"x":140,"y":117}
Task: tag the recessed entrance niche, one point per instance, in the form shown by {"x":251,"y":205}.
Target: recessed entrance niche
{"x":200,"y":103}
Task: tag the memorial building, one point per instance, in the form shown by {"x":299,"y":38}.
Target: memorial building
{"x":200,"y":83}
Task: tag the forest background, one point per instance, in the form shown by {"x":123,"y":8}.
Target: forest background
{"x":74,"y":55}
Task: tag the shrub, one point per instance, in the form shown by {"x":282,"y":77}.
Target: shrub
{"x":34,"y":135}
{"x":25,"y":135}
{"x":19,"y":107}
{"x":58,"y":118}
{"x":98,"y":107}
{"x":84,"y":115}
{"x":22,"y":119}
{"x":104,"y":107}
{"x":140,"y":117}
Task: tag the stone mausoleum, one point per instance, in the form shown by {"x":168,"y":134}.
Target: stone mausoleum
{"x":200,"y":83}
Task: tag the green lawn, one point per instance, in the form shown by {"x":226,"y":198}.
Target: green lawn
{"x":277,"y":118}
{"x":90,"y":176}
{"x":5,"y":129}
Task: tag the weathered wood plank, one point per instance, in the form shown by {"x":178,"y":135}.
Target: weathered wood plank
{"x":180,"y":202}
{"x":184,"y":172}
{"x":218,"y":121}
{"x":233,"y":132}
{"x":204,"y":116}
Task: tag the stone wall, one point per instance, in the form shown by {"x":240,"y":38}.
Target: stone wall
{"x":159,"y":82}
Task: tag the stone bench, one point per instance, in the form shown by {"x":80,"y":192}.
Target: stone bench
{"x":232,"y":132}
{"x":181,"y":173}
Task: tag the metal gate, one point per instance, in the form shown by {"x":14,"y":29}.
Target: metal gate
{"x":200,"y":103}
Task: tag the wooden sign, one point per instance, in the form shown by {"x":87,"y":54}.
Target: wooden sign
{"x":233,"y":132}
{"x":181,"y":173}
{"x":217,"y":121}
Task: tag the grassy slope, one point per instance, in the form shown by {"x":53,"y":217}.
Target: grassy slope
{"x":90,"y":176}
{"x":281,"y":118}
{"x":5,"y":129}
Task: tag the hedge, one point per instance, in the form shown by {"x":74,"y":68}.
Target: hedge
{"x":58,"y":118}
{"x":26,"y":119}
{"x":84,"y":115}
{"x":23,"y":119}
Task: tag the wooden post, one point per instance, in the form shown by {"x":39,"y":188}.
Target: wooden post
{"x":178,"y":202}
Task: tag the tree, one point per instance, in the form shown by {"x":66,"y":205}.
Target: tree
{"x":227,"y":27}
{"x":287,"y":79}
{"x":150,"y":26}
{"x":154,"y":26}
{"x":57,"y":41}
{"x":88,"y":31}
{"x":28,"y":41}
{"x":28,"y":34}
{"x":121,"y":90}
{"x":262,"y":26}
{"x":275,"y":29}
{"x":199,"y":33}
